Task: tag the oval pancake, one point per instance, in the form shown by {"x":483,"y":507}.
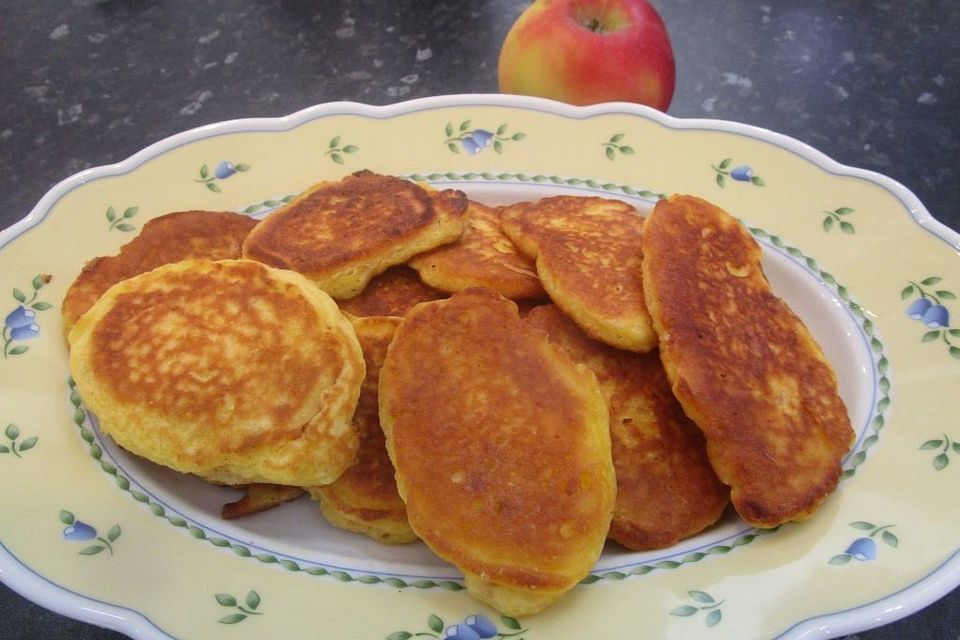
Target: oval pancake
{"x":666,"y":488}
{"x":341,"y":234}
{"x":230,"y":370}
{"x":483,"y":257}
{"x":392,"y":293}
{"x":588,"y":256}
{"x":501,"y":447}
{"x":742,"y":364}
{"x":182,"y":235}
{"x":365,"y":499}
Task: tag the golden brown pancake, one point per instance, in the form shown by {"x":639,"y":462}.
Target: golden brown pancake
{"x":501,"y":447}
{"x":742,"y":364}
{"x":365,"y":499}
{"x":666,"y":488}
{"x":392,"y":293}
{"x":259,"y":497}
{"x":588,"y":256}
{"x":483,"y":257}
{"x":231,"y":370}
{"x":183,"y":235}
{"x":341,"y":234}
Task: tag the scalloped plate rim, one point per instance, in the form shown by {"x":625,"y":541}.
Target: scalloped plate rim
{"x":940,"y":581}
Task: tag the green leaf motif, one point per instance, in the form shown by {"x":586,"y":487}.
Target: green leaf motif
{"x":114,"y":533}
{"x":863,"y":526}
{"x":609,"y":152}
{"x":941,"y":461}
{"x":335,"y":142}
{"x":92,"y":550}
{"x":842,"y":211}
{"x":907,"y":292}
{"x":842,"y":558}
{"x":123,"y":226}
{"x":130,"y":212}
{"x":827,"y":223}
{"x":400,"y":635}
{"x":701,"y":596}
{"x":448,"y":130}
{"x":204,"y":172}
{"x":226,"y":600}
{"x":684,"y":611}
{"x":12,"y":431}
{"x":714,"y":617}
{"x":435,"y":623}
{"x":28,"y":443}
{"x":212,"y":187}
{"x":510,"y":623}
{"x":757,"y":180}
{"x":931,"y":280}
{"x":931,"y":444}
{"x":890,"y":539}
{"x":16,"y":351}
{"x":41,"y":306}
{"x":253,"y":600}
{"x":846,"y":227}
{"x":66,"y":517}
{"x":947,"y":295}
{"x":930,"y":336}
{"x":336,"y":157}
{"x":725,"y":163}
{"x":20,"y":296}
{"x":242,"y":167}
{"x":38,"y":282}
{"x":233,"y":618}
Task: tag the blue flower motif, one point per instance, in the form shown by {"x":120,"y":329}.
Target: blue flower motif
{"x":743,"y":173}
{"x":25,"y":332}
{"x":482,"y":625}
{"x":936,"y":317}
{"x":20,"y":317}
{"x":460,"y":632}
{"x":863,"y":549}
{"x":79,"y":531}
{"x":482,"y":137}
{"x":918,"y":307}
{"x":224,"y":170}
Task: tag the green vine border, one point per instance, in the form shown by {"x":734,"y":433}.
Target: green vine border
{"x":81,"y":420}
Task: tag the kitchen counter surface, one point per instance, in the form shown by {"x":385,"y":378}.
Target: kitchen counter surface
{"x":874,"y":85}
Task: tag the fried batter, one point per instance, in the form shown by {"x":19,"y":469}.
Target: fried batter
{"x":183,"y":235}
{"x":588,"y":256}
{"x":231,"y":370}
{"x":365,"y":498}
{"x":341,"y":234}
{"x":392,"y":293}
{"x":501,"y":447}
{"x":742,"y":364}
{"x":483,"y":257}
{"x":666,"y":488}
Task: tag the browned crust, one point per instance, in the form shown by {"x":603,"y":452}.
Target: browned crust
{"x":182,"y":235}
{"x":666,"y":488}
{"x":392,"y":293}
{"x":499,"y":442}
{"x":742,"y":364}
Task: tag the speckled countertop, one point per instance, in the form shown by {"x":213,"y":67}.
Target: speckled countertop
{"x":874,"y":85}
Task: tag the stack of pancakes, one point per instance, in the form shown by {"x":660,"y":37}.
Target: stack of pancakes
{"x":510,"y":385}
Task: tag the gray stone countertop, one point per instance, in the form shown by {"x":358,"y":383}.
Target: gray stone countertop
{"x":874,"y":85}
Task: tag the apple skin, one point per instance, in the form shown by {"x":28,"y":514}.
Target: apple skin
{"x":589,"y":51}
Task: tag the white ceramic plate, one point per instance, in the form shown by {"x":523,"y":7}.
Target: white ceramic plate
{"x":99,"y":535}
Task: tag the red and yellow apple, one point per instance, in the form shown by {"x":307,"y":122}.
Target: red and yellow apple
{"x":589,"y":51}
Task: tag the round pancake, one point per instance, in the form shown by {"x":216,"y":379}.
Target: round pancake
{"x":742,"y":364}
{"x":588,"y":257}
{"x":182,"y":235}
{"x":231,"y":370}
{"x":483,"y":257}
{"x":365,"y":499}
{"x":501,"y":447}
{"x":341,"y":234}
{"x":666,"y":488}
{"x":392,"y":293}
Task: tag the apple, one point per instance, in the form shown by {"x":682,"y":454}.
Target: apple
{"x":589,"y":51}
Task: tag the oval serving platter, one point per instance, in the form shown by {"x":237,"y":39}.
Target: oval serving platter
{"x":97,"y":534}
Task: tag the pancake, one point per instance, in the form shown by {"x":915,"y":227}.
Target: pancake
{"x":341,"y":234}
{"x":259,"y":497}
{"x":742,"y":364}
{"x":501,"y":448}
{"x":365,"y":499}
{"x":588,"y":257}
{"x":666,"y":488}
{"x":483,"y":257}
{"x":183,"y":235}
{"x":230,"y":370}
{"x":392,"y":293}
